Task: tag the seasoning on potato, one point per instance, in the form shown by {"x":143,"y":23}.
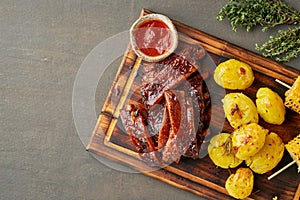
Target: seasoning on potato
{"x":248,"y":140}
{"x":239,"y":109}
{"x":240,"y":184}
{"x":221,"y":153}
{"x":234,"y":74}
{"x":270,"y":106}
{"x":269,"y":155}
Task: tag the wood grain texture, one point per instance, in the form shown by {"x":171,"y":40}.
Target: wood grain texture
{"x":198,"y":176}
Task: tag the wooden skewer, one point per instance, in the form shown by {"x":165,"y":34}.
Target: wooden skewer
{"x":282,"y":169}
{"x":282,"y":83}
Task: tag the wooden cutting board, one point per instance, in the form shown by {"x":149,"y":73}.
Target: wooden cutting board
{"x":199,"y":176}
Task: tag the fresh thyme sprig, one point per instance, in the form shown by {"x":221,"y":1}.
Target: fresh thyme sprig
{"x":282,"y":47}
{"x":265,"y":13}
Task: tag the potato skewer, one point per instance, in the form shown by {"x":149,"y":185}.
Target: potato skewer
{"x":293,"y":147}
{"x":292,"y":102}
{"x":292,"y":96}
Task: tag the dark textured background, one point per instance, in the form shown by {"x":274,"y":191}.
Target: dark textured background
{"x":42,"y":45}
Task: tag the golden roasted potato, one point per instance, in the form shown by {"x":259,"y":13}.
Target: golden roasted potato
{"x":269,"y":155}
{"x":239,"y":109}
{"x":270,"y":106}
{"x":234,"y":74}
{"x":248,"y":140}
{"x":240,"y":184}
{"x":221,"y":153}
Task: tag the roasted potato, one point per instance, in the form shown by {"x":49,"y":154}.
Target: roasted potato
{"x":234,"y":74}
{"x":221,"y":153}
{"x":270,"y":106}
{"x":240,"y":184}
{"x":239,"y":109}
{"x":248,"y":140}
{"x":269,"y":155}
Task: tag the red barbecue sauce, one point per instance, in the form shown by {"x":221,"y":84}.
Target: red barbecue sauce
{"x":153,"y":37}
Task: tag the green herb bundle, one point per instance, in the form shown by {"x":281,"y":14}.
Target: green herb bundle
{"x":282,"y":47}
{"x":266,"y":13}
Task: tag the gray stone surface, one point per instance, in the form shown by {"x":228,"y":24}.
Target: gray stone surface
{"x":42,"y":45}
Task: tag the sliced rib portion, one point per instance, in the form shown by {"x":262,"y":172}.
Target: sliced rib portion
{"x":182,"y":132}
{"x":171,"y":115}
{"x":134,"y":124}
{"x":164,"y":130}
{"x":175,"y":71}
